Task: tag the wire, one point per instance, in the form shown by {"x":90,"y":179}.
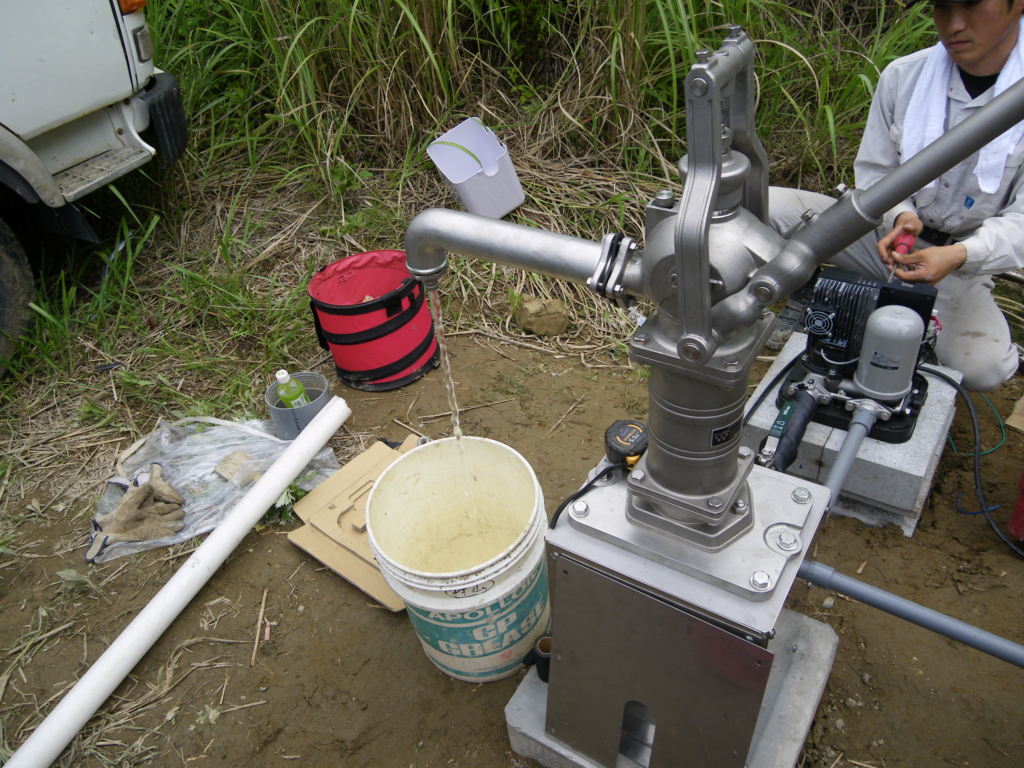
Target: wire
{"x":771,"y":385}
{"x":963,"y":511}
{"x":833,"y":362}
{"x":586,"y":487}
{"x":990,"y":450}
{"x":977,"y":454}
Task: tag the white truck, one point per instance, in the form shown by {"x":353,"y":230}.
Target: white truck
{"x":78,"y":87}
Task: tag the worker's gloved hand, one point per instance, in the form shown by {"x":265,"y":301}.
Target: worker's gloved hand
{"x":141,"y":515}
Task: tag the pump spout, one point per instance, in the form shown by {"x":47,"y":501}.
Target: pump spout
{"x":435,"y":233}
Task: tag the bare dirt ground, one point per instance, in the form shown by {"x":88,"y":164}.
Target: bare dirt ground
{"x":343,"y":682}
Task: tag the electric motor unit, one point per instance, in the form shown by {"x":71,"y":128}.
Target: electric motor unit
{"x":856,"y":355}
{"x":888,"y":353}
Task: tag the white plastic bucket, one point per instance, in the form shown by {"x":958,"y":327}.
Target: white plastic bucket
{"x":478,"y":169}
{"x":457,"y":527}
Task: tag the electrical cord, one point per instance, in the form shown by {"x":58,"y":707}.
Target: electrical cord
{"x":994,"y":448}
{"x":771,"y":385}
{"x":977,"y":454}
{"x":586,"y":487}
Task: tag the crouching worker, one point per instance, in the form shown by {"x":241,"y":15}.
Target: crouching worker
{"x":969,"y":223}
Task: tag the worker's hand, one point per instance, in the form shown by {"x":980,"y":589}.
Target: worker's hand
{"x":930,"y":265}
{"x":906,"y":222}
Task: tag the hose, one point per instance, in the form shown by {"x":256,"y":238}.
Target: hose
{"x":751,"y":410}
{"x":805,"y":406}
{"x":586,"y":487}
{"x":861,"y":423}
{"x":977,"y":454}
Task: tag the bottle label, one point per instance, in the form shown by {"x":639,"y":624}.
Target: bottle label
{"x":300,"y":400}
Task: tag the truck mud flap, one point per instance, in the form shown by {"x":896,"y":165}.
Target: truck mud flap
{"x":167,"y":116}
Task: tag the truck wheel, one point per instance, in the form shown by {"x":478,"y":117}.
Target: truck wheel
{"x":16,"y":292}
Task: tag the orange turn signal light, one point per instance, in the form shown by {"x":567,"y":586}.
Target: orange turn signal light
{"x":131,"y":6}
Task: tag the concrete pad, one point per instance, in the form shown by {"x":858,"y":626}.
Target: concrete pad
{"x":804,"y":651}
{"x":887,"y":483}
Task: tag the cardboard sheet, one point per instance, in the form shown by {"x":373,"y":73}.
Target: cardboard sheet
{"x":334,"y":514}
{"x":1016,"y":419}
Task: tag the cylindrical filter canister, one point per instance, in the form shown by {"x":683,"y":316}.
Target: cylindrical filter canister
{"x":888,"y":355}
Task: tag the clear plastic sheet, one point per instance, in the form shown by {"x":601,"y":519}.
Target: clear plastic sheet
{"x":188,"y":453}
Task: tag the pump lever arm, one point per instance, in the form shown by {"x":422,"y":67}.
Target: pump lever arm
{"x":714,"y":82}
{"x":859,"y":211}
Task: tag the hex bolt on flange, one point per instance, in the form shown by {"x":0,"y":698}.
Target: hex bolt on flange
{"x":740,"y":505}
{"x":580,"y":509}
{"x":801,"y":495}
{"x":760,"y":581}
{"x":638,"y":475}
{"x":715,"y":502}
{"x":788,"y":542}
{"x":744,"y":452}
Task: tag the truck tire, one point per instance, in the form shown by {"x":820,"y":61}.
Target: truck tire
{"x":16,"y":292}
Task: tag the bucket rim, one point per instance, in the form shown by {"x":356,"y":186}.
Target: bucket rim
{"x":467,"y":577}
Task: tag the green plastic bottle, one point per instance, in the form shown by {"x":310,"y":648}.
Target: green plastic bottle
{"x":290,"y":390}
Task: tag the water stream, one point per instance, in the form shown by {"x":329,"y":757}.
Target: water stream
{"x":472,"y":527}
{"x":446,"y":366}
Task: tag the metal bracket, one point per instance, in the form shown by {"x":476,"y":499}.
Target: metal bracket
{"x":873,"y":407}
{"x":719,"y":99}
{"x":607,"y":280}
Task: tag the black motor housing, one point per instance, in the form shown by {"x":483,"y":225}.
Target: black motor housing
{"x":835,"y":321}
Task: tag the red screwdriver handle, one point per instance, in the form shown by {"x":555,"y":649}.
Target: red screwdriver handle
{"x":903,"y":243}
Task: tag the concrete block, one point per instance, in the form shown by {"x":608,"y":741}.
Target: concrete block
{"x":888,"y":483}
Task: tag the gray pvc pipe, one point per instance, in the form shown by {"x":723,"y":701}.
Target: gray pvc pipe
{"x":826,"y":577}
{"x":861,"y":423}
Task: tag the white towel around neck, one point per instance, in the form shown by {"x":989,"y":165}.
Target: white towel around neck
{"x":929,"y":98}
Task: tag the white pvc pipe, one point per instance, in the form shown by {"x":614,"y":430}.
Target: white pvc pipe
{"x":50,"y":738}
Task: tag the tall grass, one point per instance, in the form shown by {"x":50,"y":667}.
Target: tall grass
{"x":331,"y":84}
{"x":327,"y":106}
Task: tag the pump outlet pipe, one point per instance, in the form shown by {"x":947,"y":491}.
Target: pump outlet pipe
{"x":825,"y":577}
{"x":50,"y":738}
{"x":436,"y":232}
{"x":861,"y":423}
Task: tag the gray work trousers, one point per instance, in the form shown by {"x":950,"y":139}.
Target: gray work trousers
{"x":975,"y":337}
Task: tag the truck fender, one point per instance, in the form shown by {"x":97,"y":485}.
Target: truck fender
{"x":22,"y":171}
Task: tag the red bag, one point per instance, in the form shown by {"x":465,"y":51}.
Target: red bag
{"x":373,"y":317}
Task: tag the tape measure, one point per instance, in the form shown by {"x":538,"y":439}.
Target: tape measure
{"x":625,"y":442}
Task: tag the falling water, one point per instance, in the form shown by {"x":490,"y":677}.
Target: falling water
{"x":446,"y":366}
{"x":475,"y":524}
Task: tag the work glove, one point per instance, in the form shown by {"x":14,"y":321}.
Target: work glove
{"x":162,"y":490}
{"x":146,"y":512}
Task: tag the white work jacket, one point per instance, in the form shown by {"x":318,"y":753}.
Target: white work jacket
{"x":991,"y":226}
